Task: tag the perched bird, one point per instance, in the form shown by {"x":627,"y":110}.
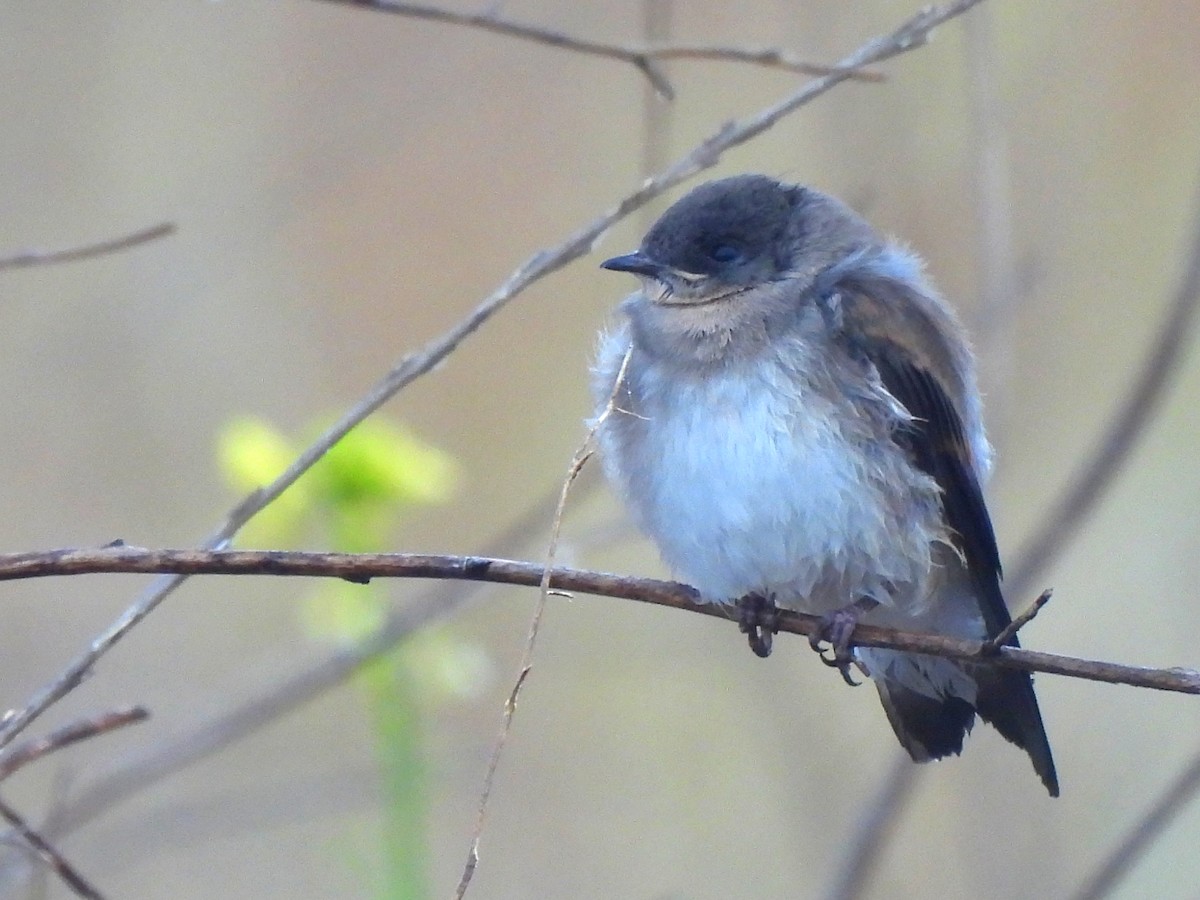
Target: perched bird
{"x":797,"y":423}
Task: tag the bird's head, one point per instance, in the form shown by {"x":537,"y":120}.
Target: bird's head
{"x":721,"y":239}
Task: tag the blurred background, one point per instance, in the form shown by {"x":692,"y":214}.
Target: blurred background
{"x":347,"y":185}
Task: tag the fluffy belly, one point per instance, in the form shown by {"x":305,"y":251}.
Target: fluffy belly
{"x":749,"y":489}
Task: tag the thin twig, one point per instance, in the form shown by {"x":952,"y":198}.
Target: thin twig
{"x":50,"y":856}
{"x":361,"y":567}
{"x":910,"y":35}
{"x":582,"y":455}
{"x":27,"y":258}
{"x":770,"y":57}
{"x":644,"y":59}
{"x":21,"y":755}
{"x":1143,"y":834}
{"x":1006,"y":634}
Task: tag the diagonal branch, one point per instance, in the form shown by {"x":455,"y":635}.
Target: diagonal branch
{"x":1019,"y":621}
{"x":644,"y":59}
{"x":360,"y":568}
{"x":875,"y":824}
{"x":768,"y":57}
{"x":48,"y":854}
{"x":911,"y":34}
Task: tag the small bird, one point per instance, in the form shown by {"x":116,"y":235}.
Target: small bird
{"x":793,"y":418}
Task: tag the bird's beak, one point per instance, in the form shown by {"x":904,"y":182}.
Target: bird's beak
{"x":636,"y":263}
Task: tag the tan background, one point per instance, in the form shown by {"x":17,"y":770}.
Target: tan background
{"x":346,"y":186}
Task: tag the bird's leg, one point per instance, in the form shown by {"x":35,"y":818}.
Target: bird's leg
{"x":758,"y":619}
{"x":837,"y":627}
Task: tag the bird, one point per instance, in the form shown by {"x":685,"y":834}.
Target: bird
{"x":789,"y":410}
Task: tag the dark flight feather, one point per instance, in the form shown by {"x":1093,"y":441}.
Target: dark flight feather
{"x":937,"y":444}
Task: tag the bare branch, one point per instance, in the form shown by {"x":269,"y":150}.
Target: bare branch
{"x":912,"y":34}
{"x":16,"y":757}
{"x":642,"y":58}
{"x":362,"y":567}
{"x":770,"y":57}
{"x":27,"y":258}
{"x":50,"y":856}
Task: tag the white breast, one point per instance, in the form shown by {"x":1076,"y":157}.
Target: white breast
{"x":747,"y":484}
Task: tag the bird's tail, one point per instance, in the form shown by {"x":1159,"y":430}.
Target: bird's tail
{"x":1006,"y":702}
{"x":924,"y":700}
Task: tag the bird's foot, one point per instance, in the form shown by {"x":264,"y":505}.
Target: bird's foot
{"x":758,"y":619}
{"x":837,"y":629}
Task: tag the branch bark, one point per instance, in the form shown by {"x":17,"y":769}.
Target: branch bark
{"x":360,"y":568}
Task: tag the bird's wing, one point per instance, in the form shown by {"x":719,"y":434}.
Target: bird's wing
{"x":897,"y":336}
{"x":936,"y":441}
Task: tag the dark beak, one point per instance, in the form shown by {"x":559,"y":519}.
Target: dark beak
{"x":636,"y":263}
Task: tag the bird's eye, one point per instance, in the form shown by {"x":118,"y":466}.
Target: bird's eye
{"x":725,"y":253}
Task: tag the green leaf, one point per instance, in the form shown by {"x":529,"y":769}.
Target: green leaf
{"x":379,"y":462}
{"x":251,"y":454}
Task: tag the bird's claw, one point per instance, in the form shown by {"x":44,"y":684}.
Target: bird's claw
{"x":843,"y":667}
{"x":837,"y":629}
{"x":758,"y":619}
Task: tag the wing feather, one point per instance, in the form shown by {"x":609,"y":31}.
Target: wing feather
{"x":901,"y":339}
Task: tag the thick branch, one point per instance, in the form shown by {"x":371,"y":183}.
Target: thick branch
{"x":361,"y":568}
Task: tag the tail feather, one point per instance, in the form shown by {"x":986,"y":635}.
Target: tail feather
{"x":931,"y":702}
{"x":932,"y":724}
{"x":1005,"y":698}
{"x":1006,"y":702}
{"x":928,"y":728}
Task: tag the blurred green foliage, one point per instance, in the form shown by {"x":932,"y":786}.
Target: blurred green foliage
{"x":353,"y":499}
